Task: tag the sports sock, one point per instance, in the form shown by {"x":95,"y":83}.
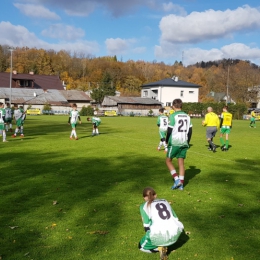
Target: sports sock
{"x":222,"y":141}
{"x":96,"y":130}
{"x":4,"y":135}
{"x":227,"y":143}
{"x":21,"y":130}
{"x":210,"y":144}
{"x":174,"y":175}
{"x":181,"y":179}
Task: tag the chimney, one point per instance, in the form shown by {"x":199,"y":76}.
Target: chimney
{"x":31,"y":73}
{"x":14,"y":72}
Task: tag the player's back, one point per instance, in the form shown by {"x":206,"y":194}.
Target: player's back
{"x":165,"y":226}
{"x":227,"y":119}
{"x":180,"y":124}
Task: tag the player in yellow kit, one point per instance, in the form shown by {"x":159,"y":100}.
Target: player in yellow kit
{"x":225,"y":128}
{"x":212,"y":123}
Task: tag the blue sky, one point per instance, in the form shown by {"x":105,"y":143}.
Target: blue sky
{"x":148,"y":30}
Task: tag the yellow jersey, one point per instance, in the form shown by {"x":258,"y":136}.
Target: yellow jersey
{"x":226,"y":119}
{"x":211,"y":119}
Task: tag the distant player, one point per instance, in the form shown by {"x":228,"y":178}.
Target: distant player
{"x":225,"y":128}
{"x":96,"y":121}
{"x":178,"y":138}
{"x":162,"y":123}
{"x":252,"y":120}
{"x":73,"y":119}
{"x":19,"y":117}
{"x":2,"y":121}
{"x":8,"y":118}
{"x":161,"y":224}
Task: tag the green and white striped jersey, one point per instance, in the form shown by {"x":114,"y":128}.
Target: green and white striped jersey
{"x":160,"y":218}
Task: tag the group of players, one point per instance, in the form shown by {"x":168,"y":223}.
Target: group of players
{"x":6,"y":117}
{"x":74,"y":118}
{"x":161,"y":224}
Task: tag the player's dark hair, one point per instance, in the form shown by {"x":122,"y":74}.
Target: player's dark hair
{"x":1,"y":103}
{"x":161,"y":109}
{"x":74,"y":105}
{"x":150,"y":193}
{"x":225,"y":107}
{"x":177,"y":103}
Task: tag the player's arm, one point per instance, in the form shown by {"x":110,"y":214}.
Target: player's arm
{"x":69,"y":120}
{"x":169,"y":132}
{"x":145,"y":219}
{"x":221,"y":122}
{"x":189,"y":134}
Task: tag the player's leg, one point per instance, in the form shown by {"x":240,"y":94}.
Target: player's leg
{"x":169,"y":156}
{"x":18,"y":124}
{"x":221,"y":138}
{"x":97,"y":132}
{"x":94,"y":129}
{"x":21,"y":130}
{"x":145,"y":245}
{"x":227,"y":141}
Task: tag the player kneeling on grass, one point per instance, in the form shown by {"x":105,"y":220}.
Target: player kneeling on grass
{"x":161,"y":224}
{"x":73,"y":119}
{"x":96,"y":121}
{"x":19,"y":117}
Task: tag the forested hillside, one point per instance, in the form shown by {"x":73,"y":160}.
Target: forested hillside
{"x":86,"y":72}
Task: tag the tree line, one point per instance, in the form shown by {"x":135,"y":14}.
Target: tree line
{"x":105,"y":75}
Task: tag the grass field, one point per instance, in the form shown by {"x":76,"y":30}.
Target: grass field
{"x":73,"y":200}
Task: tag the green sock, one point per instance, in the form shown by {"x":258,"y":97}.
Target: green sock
{"x":227,"y":143}
{"x":222,"y":141}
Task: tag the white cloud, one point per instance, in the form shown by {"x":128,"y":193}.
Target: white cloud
{"x":118,"y":45}
{"x":63,"y":32}
{"x":193,"y":55}
{"x":36,"y":11}
{"x":208,"y":25}
{"x":139,"y":50}
{"x":170,"y":7}
{"x":19,"y":36}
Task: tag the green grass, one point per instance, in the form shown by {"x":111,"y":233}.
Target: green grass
{"x":98,"y":181}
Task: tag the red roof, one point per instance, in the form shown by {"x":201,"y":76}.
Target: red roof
{"x":40,"y":81}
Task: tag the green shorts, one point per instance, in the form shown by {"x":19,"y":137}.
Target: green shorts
{"x":2,"y":126}
{"x":8,"y":120}
{"x":74,"y":125}
{"x":146,"y":243}
{"x":225,"y":130}
{"x":162,"y":134}
{"x":19,"y":122}
{"x":177,"y":151}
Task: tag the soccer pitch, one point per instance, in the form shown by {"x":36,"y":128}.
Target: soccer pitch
{"x":71,"y":200}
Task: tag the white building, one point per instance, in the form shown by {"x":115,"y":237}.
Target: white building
{"x":166,"y":90}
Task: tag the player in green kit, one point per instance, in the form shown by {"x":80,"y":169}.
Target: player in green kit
{"x":178,"y":138}
{"x":2,"y":121}
{"x":96,"y":121}
{"x":161,"y":224}
{"x":73,"y":119}
{"x":162,"y":123}
{"x":19,"y":117}
{"x":8,"y":118}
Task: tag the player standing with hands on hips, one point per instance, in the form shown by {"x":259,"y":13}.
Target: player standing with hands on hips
{"x":178,"y":138}
{"x":161,"y":224}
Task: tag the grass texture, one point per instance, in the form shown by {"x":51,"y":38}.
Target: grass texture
{"x":72,"y":200}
